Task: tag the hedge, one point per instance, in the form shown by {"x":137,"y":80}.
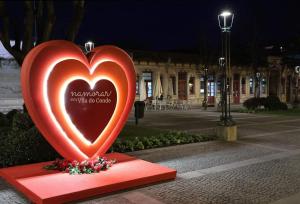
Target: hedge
{"x":21,"y":142}
{"x":269,"y":103}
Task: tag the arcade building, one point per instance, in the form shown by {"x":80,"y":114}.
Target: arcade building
{"x":181,"y":77}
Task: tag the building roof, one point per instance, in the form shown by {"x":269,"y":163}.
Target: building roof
{"x":171,"y":57}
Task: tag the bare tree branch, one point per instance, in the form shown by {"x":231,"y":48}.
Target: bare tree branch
{"x":39,"y":20}
{"x":28,"y":28}
{"x":5,"y":35}
{"x":45,"y":15}
{"x":76,"y":21}
{"x":49,"y":22}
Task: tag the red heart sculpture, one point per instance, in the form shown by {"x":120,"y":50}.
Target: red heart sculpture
{"x":55,"y":71}
{"x":86,"y":105}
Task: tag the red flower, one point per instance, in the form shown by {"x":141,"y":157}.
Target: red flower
{"x":75,"y":163}
{"x":95,"y":165}
{"x":98,"y":168}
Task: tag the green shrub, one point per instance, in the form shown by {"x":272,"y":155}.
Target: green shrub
{"x":270,"y":103}
{"x":10,"y":115}
{"x":139,"y":146}
{"x":21,"y":122}
{"x":273,"y":103}
{"x":4,"y":122}
{"x":146,"y":142}
{"x":25,"y":147}
{"x":21,"y":142}
{"x":254,"y":103}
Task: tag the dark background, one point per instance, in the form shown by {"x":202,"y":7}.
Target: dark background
{"x":177,"y":25}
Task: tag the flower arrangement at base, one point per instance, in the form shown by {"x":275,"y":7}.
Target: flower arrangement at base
{"x":84,"y":167}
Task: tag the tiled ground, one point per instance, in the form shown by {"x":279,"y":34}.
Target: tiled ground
{"x":262,"y":167}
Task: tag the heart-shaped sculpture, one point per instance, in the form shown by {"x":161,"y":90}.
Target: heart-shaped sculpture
{"x":79,"y":105}
{"x":90,"y":109}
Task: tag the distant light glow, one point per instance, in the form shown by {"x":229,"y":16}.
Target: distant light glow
{"x":297,"y":69}
{"x":225,"y":20}
{"x":89,"y":46}
{"x":226,"y":13}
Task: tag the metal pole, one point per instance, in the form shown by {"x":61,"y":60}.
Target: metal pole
{"x":205,"y":89}
{"x":297,"y":87}
{"x":229,"y":73}
{"x":226,"y":78}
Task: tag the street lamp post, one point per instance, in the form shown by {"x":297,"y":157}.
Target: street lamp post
{"x":297,"y":71}
{"x":223,"y":87}
{"x":204,"y":103}
{"x":225,"y":23}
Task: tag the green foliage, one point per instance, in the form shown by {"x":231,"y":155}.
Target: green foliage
{"x":21,"y":142}
{"x":273,"y":103}
{"x":254,"y":103}
{"x":270,"y":103}
{"x":161,"y":140}
{"x":4,"y":122}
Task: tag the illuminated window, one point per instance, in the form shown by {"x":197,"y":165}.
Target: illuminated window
{"x":251,"y":88}
{"x":202,"y":85}
{"x":192,"y":85}
{"x":147,"y":76}
{"x":211,"y":88}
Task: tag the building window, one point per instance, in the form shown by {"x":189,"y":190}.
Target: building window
{"x":192,"y":85}
{"x":251,"y":88}
{"x":137,"y":85}
{"x":243,"y":85}
{"x":211,"y":88}
{"x":173,"y":79}
{"x":263,"y":85}
{"x":202,"y":85}
{"x":147,"y":76}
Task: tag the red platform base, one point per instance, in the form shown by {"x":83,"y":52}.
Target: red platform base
{"x":44,"y":186}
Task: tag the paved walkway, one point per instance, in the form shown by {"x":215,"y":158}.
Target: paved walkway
{"x":262,"y":167}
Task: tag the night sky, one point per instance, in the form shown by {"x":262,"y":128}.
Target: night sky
{"x":178,"y":25}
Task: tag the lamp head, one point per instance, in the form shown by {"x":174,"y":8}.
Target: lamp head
{"x":225,"y":20}
{"x":225,"y":13}
{"x":89,"y":46}
{"x":222,"y":61}
{"x":297,"y":69}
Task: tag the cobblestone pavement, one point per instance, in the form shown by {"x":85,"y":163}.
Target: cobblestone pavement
{"x":261,"y":167}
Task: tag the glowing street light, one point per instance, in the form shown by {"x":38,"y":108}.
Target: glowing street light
{"x":89,"y":46}
{"x":225,"y":20}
